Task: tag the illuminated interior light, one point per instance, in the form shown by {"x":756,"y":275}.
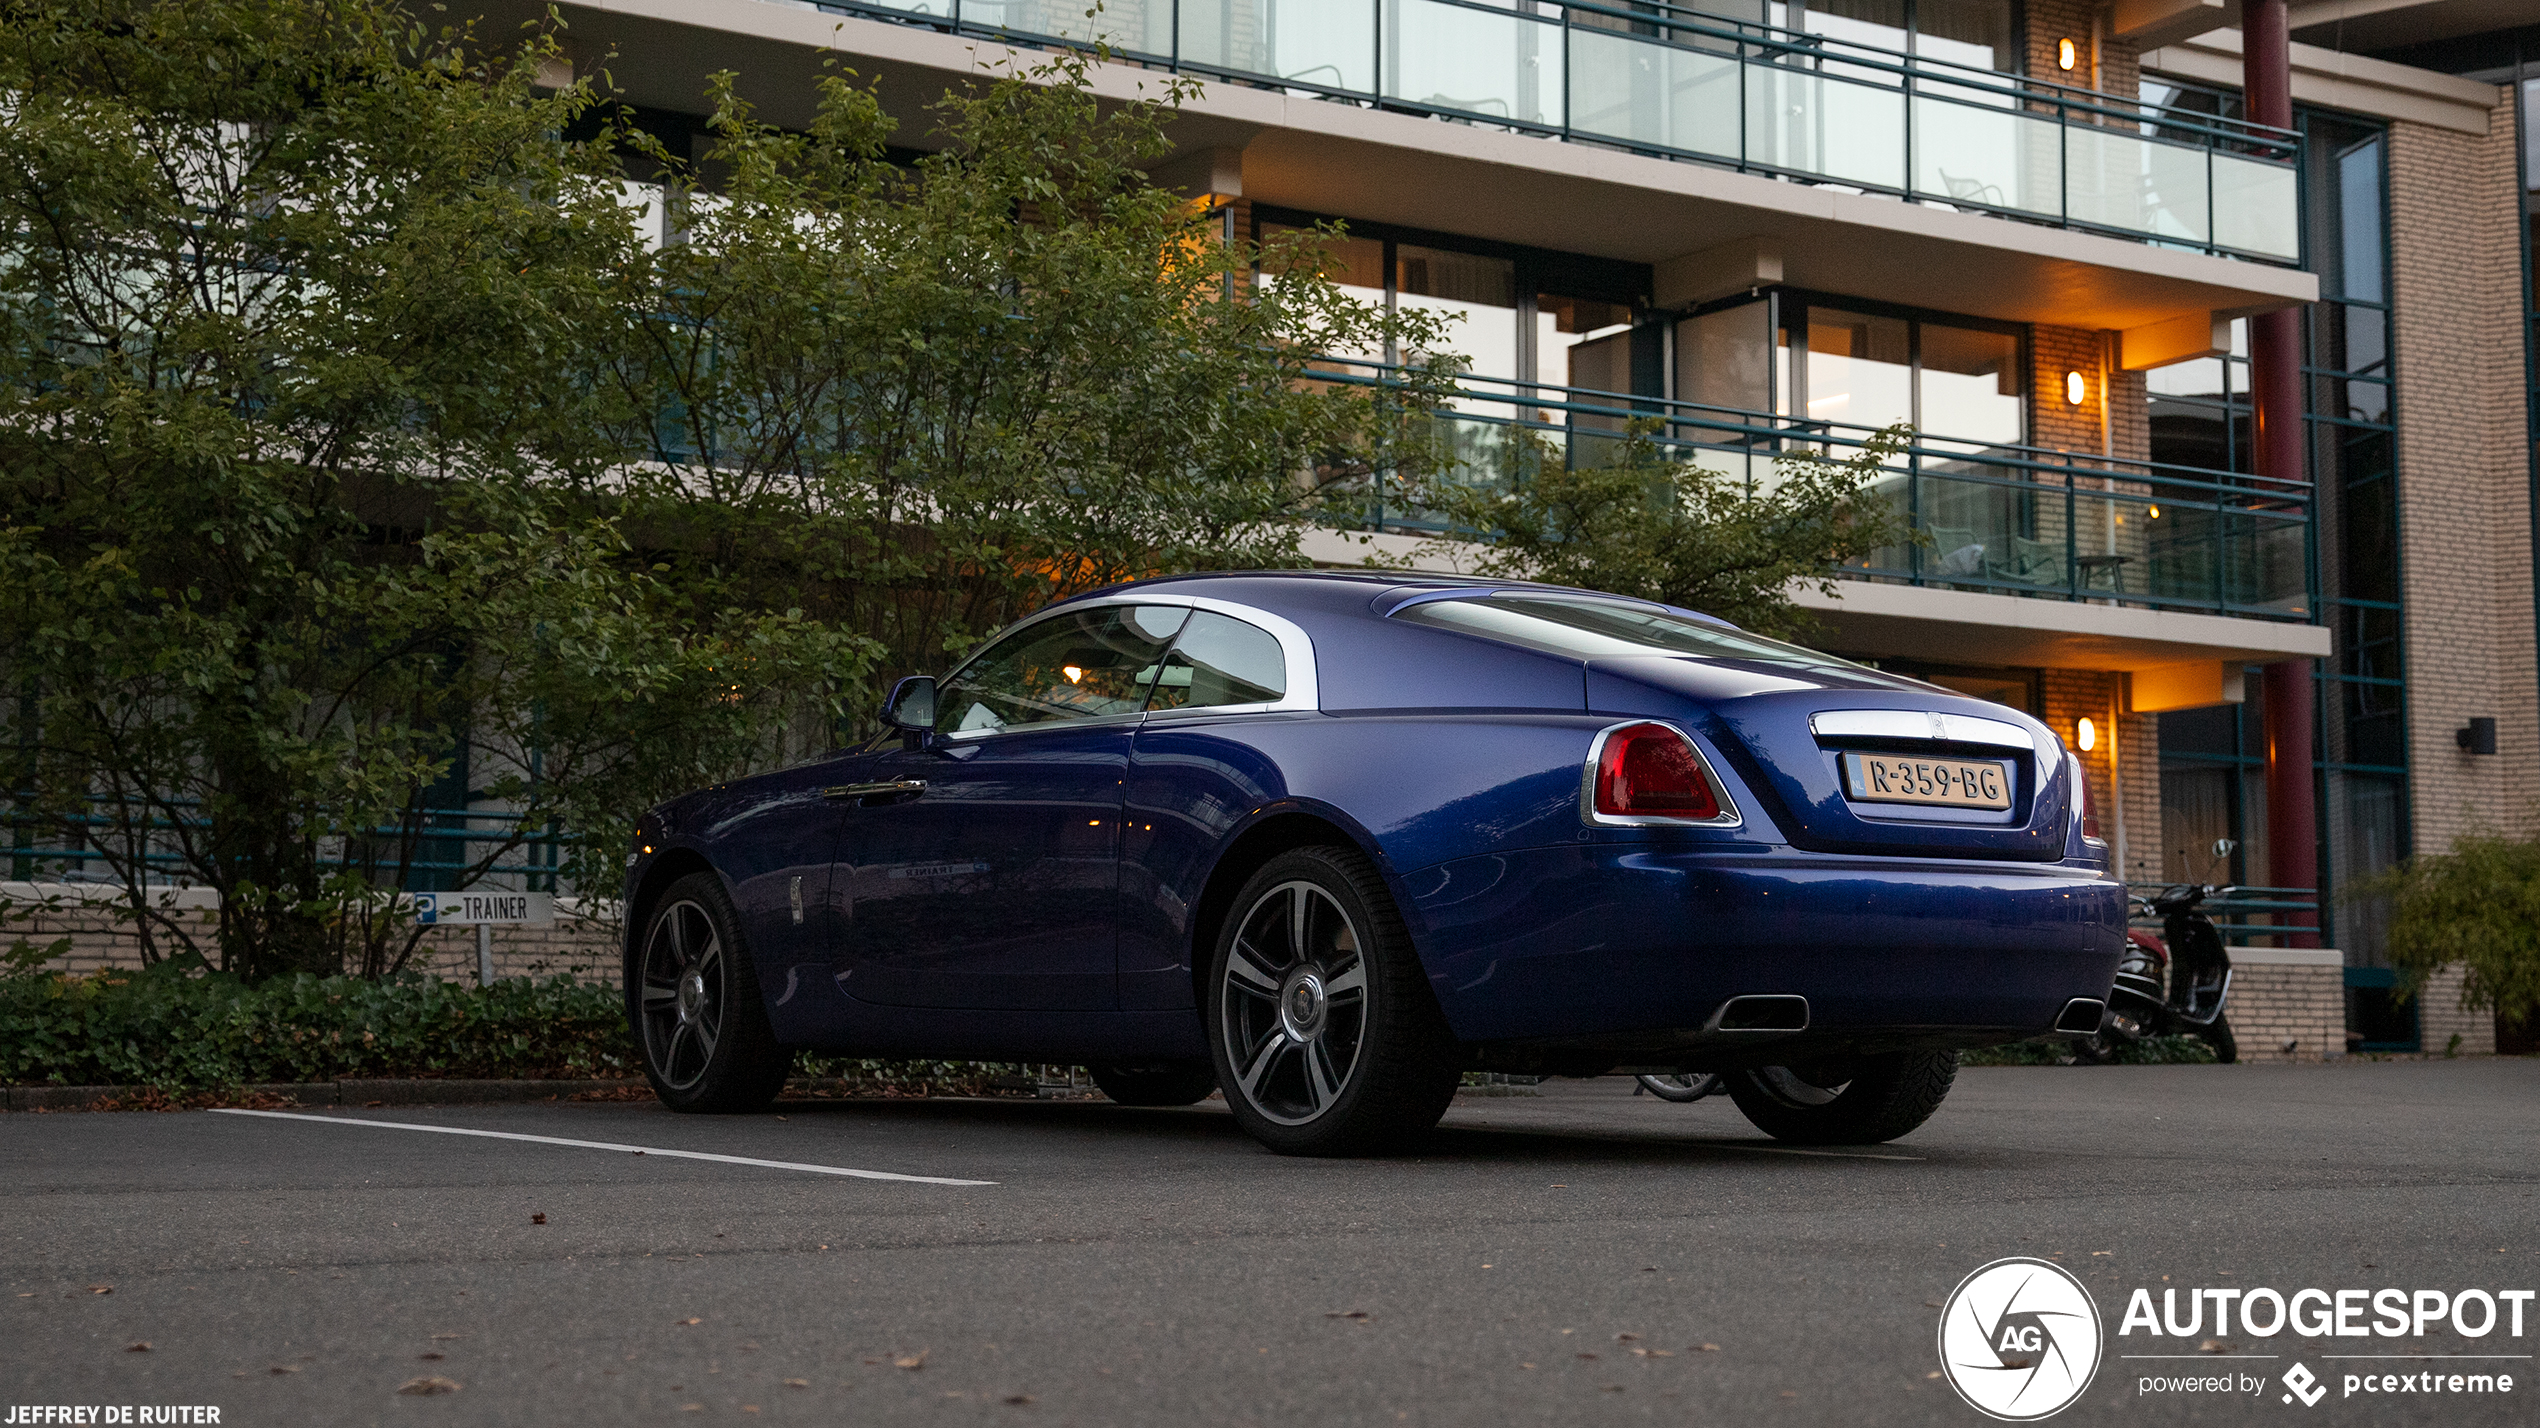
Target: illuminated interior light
{"x":1075,"y":674}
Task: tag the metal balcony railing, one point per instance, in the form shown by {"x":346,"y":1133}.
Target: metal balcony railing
{"x":450,"y":843}
{"x":1999,"y":517}
{"x":1661,"y":79}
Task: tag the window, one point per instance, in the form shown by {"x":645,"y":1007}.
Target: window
{"x":1083,"y":664}
{"x":1604,"y":629}
{"x":1478,"y":296}
{"x":1975,"y":33}
{"x":1221,"y":661}
{"x":1961,"y":385}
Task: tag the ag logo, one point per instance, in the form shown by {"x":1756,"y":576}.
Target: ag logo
{"x":2019,"y":1339}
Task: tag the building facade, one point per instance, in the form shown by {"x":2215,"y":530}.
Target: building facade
{"x":2214,"y":344}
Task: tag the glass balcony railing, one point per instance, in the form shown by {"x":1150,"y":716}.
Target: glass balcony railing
{"x":1756,"y":98}
{"x":1997,"y":518}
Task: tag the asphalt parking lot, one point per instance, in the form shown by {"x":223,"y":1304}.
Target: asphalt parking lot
{"x":1579,"y":1256}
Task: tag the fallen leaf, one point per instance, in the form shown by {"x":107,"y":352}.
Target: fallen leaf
{"x":2213,"y":1346}
{"x":1625,"y":1338}
{"x":1649,"y":1269}
{"x":1346,"y":1314}
{"x":1935,"y":1373}
{"x":538,"y":1219}
{"x":913,"y":1361}
{"x":142,"y":1347}
{"x":435,"y":1354}
{"x":2094,"y":1254}
{"x":1931,"y":1303}
{"x":1611,"y":1388}
{"x":1587,"y":1356}
{"x":1708,"y":1348}
{"x":425,"y":1387}
{"x":438,"y":1337}
{"x":1525,"y":1366}
{"x":798,"y":1383}
{"x":749,"y":1408}
{"x":692,"y":1321}
{"x":1654,"y":1353}
{"x":1018,"y":1399}
{"x":284,"y":1368}
{"x":687,"y":1407}
{"x":101,"y":1289}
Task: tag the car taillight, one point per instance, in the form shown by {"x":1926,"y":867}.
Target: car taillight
{"x":1649,"y":771}
{"x":2089,"y":805}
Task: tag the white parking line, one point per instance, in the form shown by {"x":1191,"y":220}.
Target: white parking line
{"x":646,"y":1150}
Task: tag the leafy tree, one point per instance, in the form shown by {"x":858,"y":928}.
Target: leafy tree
{"x":930,"y":396}
{"x":297,"y":312}
{"x":2478,"y":906}
{"x":1654,"y":525}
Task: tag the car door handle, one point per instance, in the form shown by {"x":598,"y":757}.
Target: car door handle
{"x":887,"y":788}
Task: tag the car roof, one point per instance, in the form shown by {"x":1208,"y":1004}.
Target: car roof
{"x":1248,"y":584}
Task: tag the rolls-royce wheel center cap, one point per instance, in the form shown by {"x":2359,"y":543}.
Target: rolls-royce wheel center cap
{"x":1301,"y":1006}
{"x":692,"y":995}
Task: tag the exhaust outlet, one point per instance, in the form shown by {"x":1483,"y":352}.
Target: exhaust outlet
{"x":1762,"y":1016}
{"x":2081,"y":1016}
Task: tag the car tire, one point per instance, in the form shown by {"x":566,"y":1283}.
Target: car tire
{"x":692,"y":1000}
{"x":1321,"y":1026}
{"x":1862,"y":1100}
{"x":1157,"y":1083}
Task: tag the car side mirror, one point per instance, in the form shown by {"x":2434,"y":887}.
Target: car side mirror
{"x":911,"y":707}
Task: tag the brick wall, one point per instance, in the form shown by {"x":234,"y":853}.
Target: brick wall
{"x":2119,"y":67}
{"x":2273,"y":1004}
{"x":101,"y":941}
{"x":2465,"y":512}
{"x":2440,"y":1017}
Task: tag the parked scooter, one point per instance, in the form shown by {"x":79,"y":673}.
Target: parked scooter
{"x":2172,"y":985}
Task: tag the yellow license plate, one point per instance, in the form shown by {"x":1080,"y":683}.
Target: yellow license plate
{"x":1944,"y":783}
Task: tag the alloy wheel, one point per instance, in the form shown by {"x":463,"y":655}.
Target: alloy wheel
{"x":683,"y":998}
{"x":1294,"y":1013}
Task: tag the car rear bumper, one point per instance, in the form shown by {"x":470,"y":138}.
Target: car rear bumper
{"x":1636,"y":948}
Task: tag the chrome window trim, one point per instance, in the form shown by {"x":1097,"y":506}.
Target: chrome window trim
{"x":1919,"y":724}
{"x":1729,"y":815}
{"x":1295,"y":647}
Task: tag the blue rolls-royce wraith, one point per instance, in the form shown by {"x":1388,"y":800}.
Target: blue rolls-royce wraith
{"x":1330,"y":840}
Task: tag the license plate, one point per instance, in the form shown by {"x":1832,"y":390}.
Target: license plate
{"x":1944,"y":783}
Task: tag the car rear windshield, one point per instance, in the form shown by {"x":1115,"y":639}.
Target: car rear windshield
{"x":1603,"y":629}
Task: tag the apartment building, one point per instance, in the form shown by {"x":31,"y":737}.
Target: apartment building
{"x":2211,"y":318}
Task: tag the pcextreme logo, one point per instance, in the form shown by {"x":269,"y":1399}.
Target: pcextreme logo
{"x":2019,"y":1339}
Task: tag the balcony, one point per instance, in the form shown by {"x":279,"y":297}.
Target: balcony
{"x":2000,"y":519}
{"x":1660,"y":80}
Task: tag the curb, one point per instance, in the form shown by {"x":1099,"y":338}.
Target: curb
{"x":329,"y":1093}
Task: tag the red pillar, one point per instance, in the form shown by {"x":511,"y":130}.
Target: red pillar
{"x":2275,"y":379}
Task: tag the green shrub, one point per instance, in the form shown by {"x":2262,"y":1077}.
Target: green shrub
{"x":2477,"y":905}
{"x":2151,"y":1051}
{"x":176,"y":1027}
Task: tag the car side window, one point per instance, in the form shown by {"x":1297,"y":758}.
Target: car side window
{"x":1220,"y":660}
{"x":1083,"y":664}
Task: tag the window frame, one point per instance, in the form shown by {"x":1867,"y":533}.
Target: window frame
{"x":1295,"y":647}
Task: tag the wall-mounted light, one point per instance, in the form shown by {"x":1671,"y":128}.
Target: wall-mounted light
{"x":2156,"y":513}
{"x":2479,"y":737}
{"x":2076,"y":388}
{"x":2086,"y":734}
{"x":2067,"y":54}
